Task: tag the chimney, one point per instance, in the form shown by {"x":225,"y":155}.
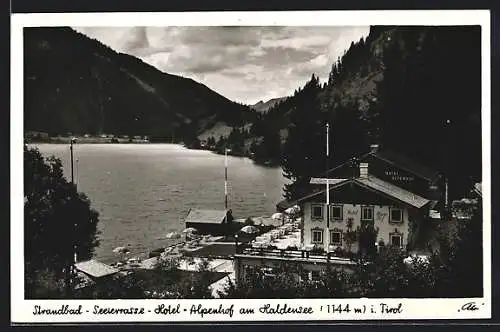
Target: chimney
{"x":374,"y":148}
{"x":363,"y":170}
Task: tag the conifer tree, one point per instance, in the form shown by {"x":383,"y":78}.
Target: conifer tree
{"x":303,"y":151}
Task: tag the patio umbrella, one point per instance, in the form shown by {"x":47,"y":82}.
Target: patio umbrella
{"x":190,"y":230}
{"x":277,"y":216}
{"x":172,"y":235}
{"x":293,"y":210}
{"x":249,"y":229}
{"x":120,"y":250}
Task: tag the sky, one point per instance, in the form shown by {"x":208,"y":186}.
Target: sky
{"x":244,"y":64}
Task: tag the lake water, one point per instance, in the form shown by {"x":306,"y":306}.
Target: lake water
{"x":144,"y":191}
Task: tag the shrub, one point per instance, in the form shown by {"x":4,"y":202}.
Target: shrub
{"x":318,"y":250}
{"x":339,"y":252}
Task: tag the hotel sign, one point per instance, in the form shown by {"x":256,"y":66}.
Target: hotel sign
{"x":395,"y":176}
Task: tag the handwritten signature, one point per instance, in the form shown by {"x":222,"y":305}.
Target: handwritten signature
{"x":469,"y":306}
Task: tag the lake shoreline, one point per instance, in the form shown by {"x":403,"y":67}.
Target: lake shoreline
{"x":117,"y":140}
{"x":86,"y":140}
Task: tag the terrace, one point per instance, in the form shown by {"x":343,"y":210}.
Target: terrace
{"x":306,"y":254}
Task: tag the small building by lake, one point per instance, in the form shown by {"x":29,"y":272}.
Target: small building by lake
{"x":214,"y":222}
{"x":96,"y":270}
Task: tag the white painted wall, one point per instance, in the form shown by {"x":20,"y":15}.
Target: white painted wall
{"x":381,"y":220}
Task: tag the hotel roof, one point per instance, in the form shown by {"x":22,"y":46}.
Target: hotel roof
{"x":95,"y":269}
{"x":373,"y":183}
{"x":206,"y":216}
{"x":389,"y":189}
{"x":397,"y":159}
{"x":404,"y":162}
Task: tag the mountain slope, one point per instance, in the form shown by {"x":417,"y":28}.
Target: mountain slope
{"x":265,"y":106}
{"x":414,"y":90}
{"x":76,"y":84}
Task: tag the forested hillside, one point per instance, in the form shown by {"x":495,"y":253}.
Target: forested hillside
{"x":416,"y":90}
{"x":76,"y":84}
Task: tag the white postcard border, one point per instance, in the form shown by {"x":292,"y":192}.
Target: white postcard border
{"x":22,"y":310}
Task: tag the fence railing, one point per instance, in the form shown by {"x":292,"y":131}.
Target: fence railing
{"x":287,"y":253}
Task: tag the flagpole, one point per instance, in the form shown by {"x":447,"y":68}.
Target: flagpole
{"x":71,"y":152}
{"x":225,"y":179}
{"x":446,"y":168}
{"x":327,"y":189}
{"x":327,"y":156}
{"x":75,"y":254}
{"x":70,"y":268}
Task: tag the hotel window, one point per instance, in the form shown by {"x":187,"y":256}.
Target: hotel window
{"x":396,"y":215}
{"x":336,"y":238}
{"x":396,"y":239}
{"x":336,"y":212}
{"x":367,"y":213}
{"x":316,"y":211}
{"x":317,"y":236}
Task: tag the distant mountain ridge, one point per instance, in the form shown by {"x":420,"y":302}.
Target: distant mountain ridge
{"x":262,"y":106}
{"x":76,"y":84}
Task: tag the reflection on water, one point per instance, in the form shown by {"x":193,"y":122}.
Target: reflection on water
{"x":144,"y":191}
